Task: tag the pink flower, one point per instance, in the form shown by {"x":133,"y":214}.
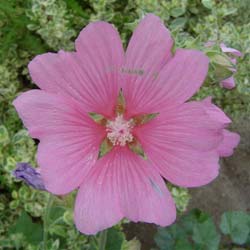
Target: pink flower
{"x":149,"y":133}
{"x":233,"y":53}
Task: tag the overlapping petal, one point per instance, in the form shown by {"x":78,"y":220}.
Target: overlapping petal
{"x":148,"y":51}
{"x":229,"y":142}
{"x":178,"y":80}
{"x":123,"y":185}
{"x":69,"y":140}
{"x":90,"y":75}
{"x":182,"y":143}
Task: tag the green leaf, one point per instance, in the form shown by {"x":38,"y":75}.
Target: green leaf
{"x":176,"y":12}
{"x":193,"y":231}
{"x":206,"y":236}
{"x":145,"y":118}
{"x":115,"y":239}
{"x":136,"y":147}
{"x":237,"y":225}
{"x":172,"y":238}
{"x":4,"y":136}
{"x":32,"y":232}
{"x":208,"y":4}
{"x":133,"y":244}
{"x":58,"y":230}
{"x":178,"y":23}
{"x":188,"y":221}
{"x":56,"y":212}
{"x":105,"y":147}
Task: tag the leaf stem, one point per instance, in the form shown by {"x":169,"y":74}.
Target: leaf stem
{"x":103,"y":239}
{"x":46,"y":220}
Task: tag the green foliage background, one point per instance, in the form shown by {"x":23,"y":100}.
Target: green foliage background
{"x":31,"y":27}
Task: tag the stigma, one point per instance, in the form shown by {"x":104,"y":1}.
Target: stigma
{"x":119,"y":131}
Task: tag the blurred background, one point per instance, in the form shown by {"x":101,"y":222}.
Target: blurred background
{"x":209,"y":218}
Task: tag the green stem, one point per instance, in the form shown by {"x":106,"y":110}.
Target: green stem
{"x":46,"y":220}
{"x":103,"y":239}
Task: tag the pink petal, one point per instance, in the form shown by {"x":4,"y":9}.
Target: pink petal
{"x":215,"y":113}
{"x":234,"y":61}
{"x":89,"y":75}
{"x":228,"y":83}
{"x":182,"y":143}
{"x":148,"y":51}
{"x":180,"y":78}
{"x":143,"y":193}
{"x":122,"y":185}
{"x":233,"y":51}
{"x":230,"y":141}
{"x":69,"y":140}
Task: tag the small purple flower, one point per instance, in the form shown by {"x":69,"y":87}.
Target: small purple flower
{"x":29,"y":175}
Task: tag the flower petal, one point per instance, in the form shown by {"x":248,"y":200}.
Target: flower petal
{"x":233,"y":51}
{"x":89,"y":75}
{"x":215,"y":113}
{"x":122,"y":185}
{"x":97,"y":203}
{"x":180,"y":78}
{"x":143,"y":193}
{"x":182,"y":143}
{"x":230,"y":141}
{"x":228,"y":83}
{"x":69,"y":139}
{"x":30,"y":175}
{"x":148,"y":51}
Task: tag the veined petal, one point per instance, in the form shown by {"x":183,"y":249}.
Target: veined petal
{"x":178,"y":80}
{"x":69,"y":139}
{"x":182,"y":143}
{"x":230,"y":141}
{"x":122,"y":184}
{"x":89,"y":75}
{"x":143,"y":193}
{"x":148,"y":51}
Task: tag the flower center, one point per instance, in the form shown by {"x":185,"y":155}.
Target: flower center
{"x":119,"y":131}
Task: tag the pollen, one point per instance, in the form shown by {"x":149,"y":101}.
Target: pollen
{"x":119,"y":131}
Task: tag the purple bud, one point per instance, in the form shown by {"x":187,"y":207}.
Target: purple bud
{"x":29,"y":175}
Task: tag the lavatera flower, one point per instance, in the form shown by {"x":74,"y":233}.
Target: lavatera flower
{"x":114,"y":124}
